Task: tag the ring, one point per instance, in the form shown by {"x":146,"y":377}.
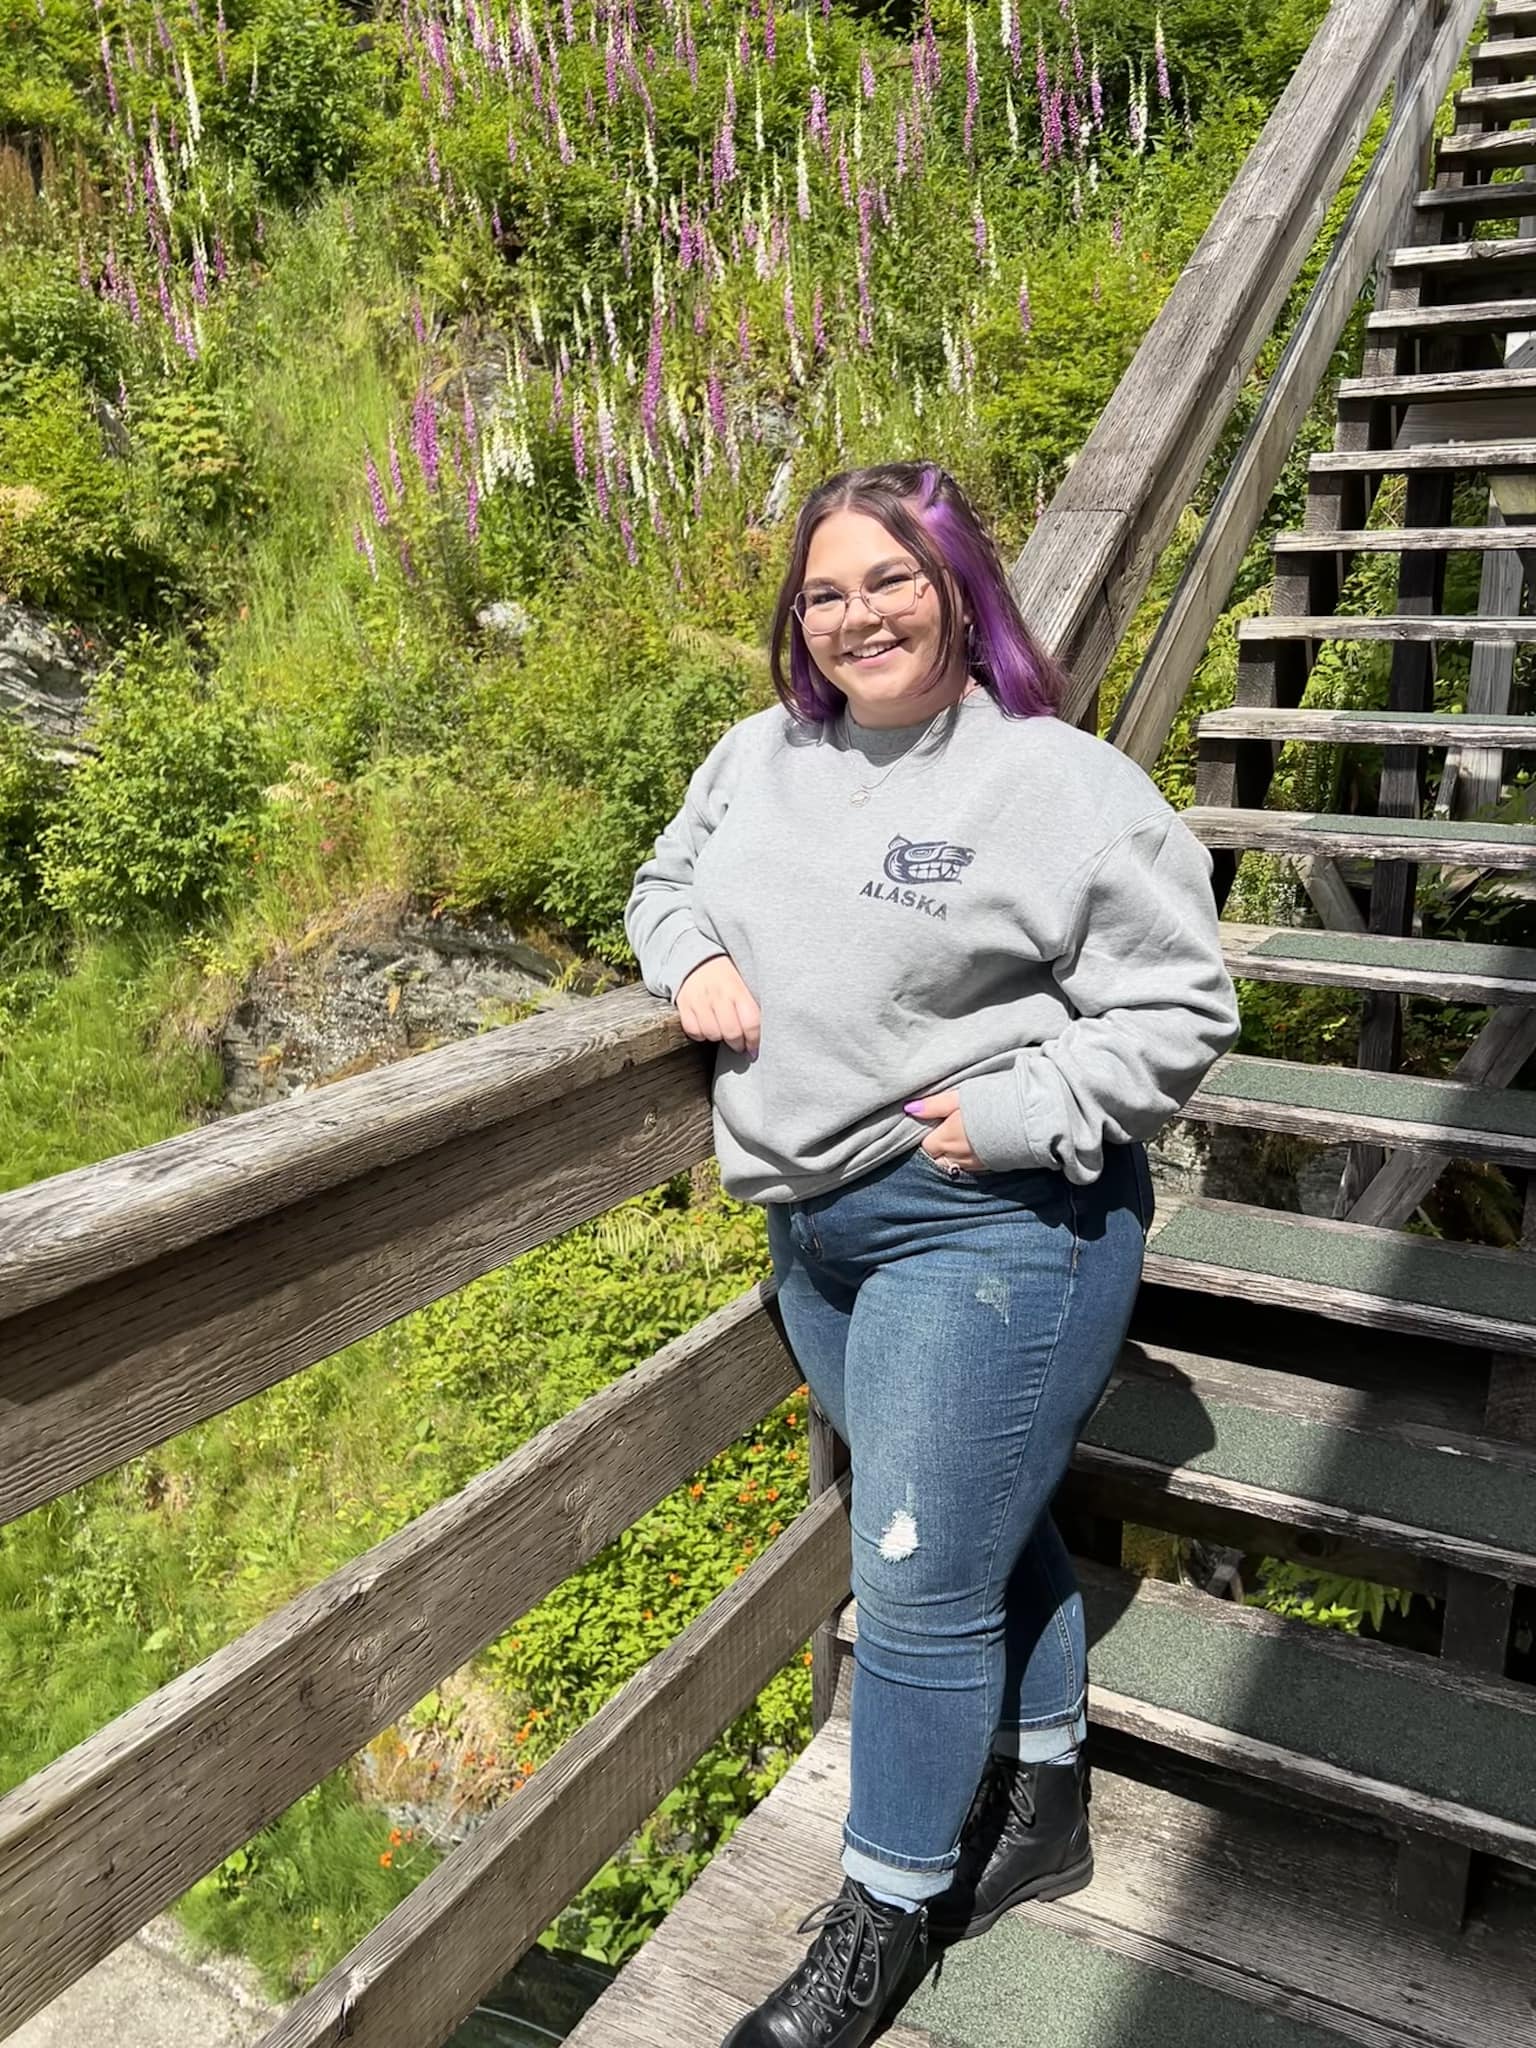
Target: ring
{"x":952,"y":1171}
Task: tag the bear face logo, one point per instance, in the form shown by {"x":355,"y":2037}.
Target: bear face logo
{"x":926,"y":860}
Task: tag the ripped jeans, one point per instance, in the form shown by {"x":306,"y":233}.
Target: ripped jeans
{"x":958,"y":1334}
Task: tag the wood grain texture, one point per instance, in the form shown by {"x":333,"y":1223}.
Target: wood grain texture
{"x":1492,"y":317}
{"x":1400,"y":540}
{"x":1498,"y":252}
{"x":1240,"y":945}
{"x":123,"y":1824}
{"x":1453,"y":455}
{"x":104,"y":1372}
{"x":1369,"y":728}
{"x":1463,"y":628}
{"x":1089,"y":560}
{"x":66,"y":1232}
{"x":1233,"y":1891}
{"x":418,"y":1975}
{"x":1345,"y":1304}
{"x":1372,"y":838}
{"x":1147,"y":712}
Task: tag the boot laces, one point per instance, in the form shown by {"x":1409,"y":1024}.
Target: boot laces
{"x":1006,"y":1779}
{"x":827,"y":1979}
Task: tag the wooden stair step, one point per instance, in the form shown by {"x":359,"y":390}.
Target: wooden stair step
{"x":1513,"y":149}
{"x":1349,"y":1272}
{"x":1512,"y":16}
{"x":1513,"y":102}
{"x":1410,"y":540}
{"x":1414,"y":1741}
{"x":1339,"y":1105}
{"x":1508,"y":57}
{"x":1420,"y":390}
{"x":1432,"y":842}
{"x":1372,"y":728}
{"x":1449,"y":970}
{"x":1252,"y":1441}
{"x":1515,"y":252}
{"x":1466,"y":628}
{"x":1470,"y":456}
{"x":1217,"y":1917}
{"x":1496,"y":316}
{"x":1508,"y":201}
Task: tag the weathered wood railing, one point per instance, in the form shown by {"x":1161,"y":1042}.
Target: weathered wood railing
{"x":152,"y":1292}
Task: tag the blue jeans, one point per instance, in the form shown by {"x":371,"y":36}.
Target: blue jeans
{"x":958,"y":1333}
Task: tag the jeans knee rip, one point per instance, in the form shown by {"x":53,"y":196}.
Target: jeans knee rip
{"x":900,"y":1536}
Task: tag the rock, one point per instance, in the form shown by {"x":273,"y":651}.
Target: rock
{"x":44,"y":672}
{"x":369,"y":996}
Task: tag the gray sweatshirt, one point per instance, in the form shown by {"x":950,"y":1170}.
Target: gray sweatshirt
{"x":1015,"y":912}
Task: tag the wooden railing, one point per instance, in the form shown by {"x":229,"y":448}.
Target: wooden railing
{"x":1091,"y":559}
{"x":158,"y":1289}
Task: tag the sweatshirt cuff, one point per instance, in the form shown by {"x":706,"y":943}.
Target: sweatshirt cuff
{"x":691,"y":950}
{"x":1001,"y":1131}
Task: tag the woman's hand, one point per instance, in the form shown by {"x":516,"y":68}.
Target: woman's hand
{"x":714,"y":1002}
{"x":949,"y":1145}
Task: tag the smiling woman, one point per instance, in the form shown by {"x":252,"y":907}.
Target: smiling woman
{"x":948,"y":1019}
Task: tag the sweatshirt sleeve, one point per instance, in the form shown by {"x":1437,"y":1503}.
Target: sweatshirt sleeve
{"x":658,"y":918}
{"x":1155,"y":1007}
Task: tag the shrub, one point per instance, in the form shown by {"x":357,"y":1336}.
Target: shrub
{"x":29,"y":787}
{"x":152,"y":821}
{"x":299,"y":94}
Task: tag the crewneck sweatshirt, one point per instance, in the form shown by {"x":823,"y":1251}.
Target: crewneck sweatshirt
{"x":1014,"y":912}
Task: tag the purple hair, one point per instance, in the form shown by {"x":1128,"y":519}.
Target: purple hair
{"x":922,"y":507}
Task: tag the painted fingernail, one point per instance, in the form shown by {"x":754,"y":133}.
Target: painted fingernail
{"x":914,"y":1108}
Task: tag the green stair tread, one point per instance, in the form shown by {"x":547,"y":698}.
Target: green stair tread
{"x":1358,"y":1092}
{"x":1396,"y":1266}
{"x":1434,"y":956}
{"x":1422,"y":828}
{"x":1370,"y":1714}
{"x":1469,"y":1497}
{"x":1034,"y":1987}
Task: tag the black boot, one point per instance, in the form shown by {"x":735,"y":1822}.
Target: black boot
{"x":1026,"y":1837}
{"x":864,"y":1954}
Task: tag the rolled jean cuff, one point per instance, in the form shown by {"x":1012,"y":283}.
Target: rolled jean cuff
{"x":906,"y":1877}
{"x":1043,"y":1741}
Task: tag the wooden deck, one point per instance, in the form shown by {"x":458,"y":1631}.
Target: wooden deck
{"x":1216,"y":1919}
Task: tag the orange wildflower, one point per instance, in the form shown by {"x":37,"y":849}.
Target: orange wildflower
{"x":395,"y":1838}
{"x":386,"y":1860}
{"x":694,"y":1491}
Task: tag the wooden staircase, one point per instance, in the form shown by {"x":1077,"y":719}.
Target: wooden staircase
{"x":1303,"y":1836}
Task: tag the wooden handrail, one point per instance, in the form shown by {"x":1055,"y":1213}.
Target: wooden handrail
{"x":62,"y":1234}
{"x":422,"y":1969}
{"x":122,"y":1825}
{"x":1146,"y":715}
{"x":1088,"y":563}
{"x":611,"y":1100}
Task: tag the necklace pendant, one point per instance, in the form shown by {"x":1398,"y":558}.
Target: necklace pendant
{"x":860,"y":796}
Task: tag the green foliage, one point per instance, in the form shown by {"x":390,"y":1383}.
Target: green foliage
{"x":300,"y":95}
{"x":1326,"y":1599}
{"x":30,"y":784}
{"x":152,"y":822}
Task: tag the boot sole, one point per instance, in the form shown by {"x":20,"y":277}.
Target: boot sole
{"x":1057,"y":1885}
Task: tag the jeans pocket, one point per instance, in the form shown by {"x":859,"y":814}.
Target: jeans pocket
{"x":943,"y":1172}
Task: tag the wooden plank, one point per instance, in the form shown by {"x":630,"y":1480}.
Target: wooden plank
{"x":1379,"y":969}
{"x":122,"y":1825}
{"x":101,"y":1374}
{"x":1200,"y":1884}
{"x":1508,"y":57}
{"x":1090,"y":558}
{"x":1148,"y":710}
{"x":1495,"y":1057}
{"x":1515,"y":252}
{"x":1509,"y":102}
{"x":1409,"y":540}
{"x":418,"y":1975}
{"x":1468,"y":456}
{"x":1420,"y":388}
{"x":1472,"y":1127}
{"x":1462,"y":628}
{"x":1342,"y":1304}
{"x":1512,"y":846}
{"x":1493,"y":316}
{"x":63,"y":1233}
{"x":1371,"y":728}
{"x":1495,"y":152}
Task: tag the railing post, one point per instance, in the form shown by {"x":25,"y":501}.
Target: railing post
{"x":828,"y":1460}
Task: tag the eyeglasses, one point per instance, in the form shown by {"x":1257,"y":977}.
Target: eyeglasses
{"x":893,"y":592}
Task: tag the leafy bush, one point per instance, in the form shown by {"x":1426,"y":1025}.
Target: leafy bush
{"x":152,"y":822}
{"x":299,"y":95}
{"x":29,"y":787}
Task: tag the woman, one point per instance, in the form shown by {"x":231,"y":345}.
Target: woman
{"x":960,"y":959}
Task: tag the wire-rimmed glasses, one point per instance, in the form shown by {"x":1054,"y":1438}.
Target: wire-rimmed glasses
{"x":888,"y":595}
